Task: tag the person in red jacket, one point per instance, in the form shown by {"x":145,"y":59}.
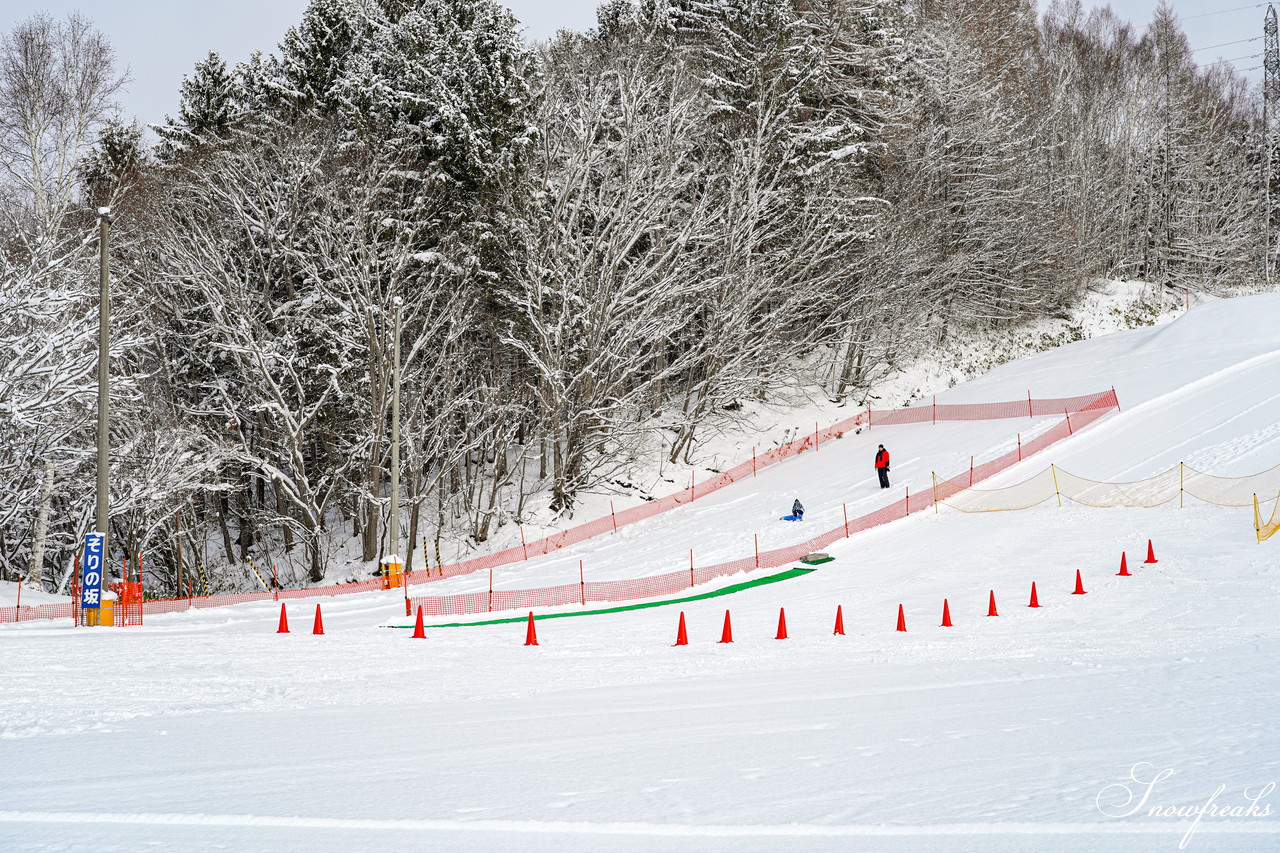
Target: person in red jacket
{"x":882,"y":466}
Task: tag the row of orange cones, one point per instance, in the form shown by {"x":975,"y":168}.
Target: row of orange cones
{"x":726,"y":635}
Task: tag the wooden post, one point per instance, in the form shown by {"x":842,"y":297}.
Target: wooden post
{"x":935,"y":409}
{"x":1029,"y":414}
{"x":582,"y":584}
{"x":907,"y":502}
{"x":868,"y":417}
{"x":491,"y":590}
{"x":756,"y":537}
{"x":275,"y":584}
{"x":1019,"y":447}
{"x":523,"y":547}
{"x":845,"y":507}
{"x":690,"y":567}
{"x":815,"y":435}
{"x":753,"y":462}
{"x":970,"y":472}
{"x":693,"y":487}
{"x":1068,"y":417}
{"x":614,"y":517}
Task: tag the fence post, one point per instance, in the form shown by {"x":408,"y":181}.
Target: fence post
{"x":524,"y":548}
{"x":693,"y":487}
{"x":907,"y":503}
{"x":275,"y":584}
{"x":970,"y":472}
{"x":491,"y":590}
{"x":1054,"y":470}
{"x":753,"y":461}
{"x":934,"y":475}
{"x":845,"y":507}
{"x":690,"y":568}
{"x":439,"y":564}
{"x":1180,"y":467}
{"x":1068,"y":417}
{"x":1029,"y":414}
{"x":1019,"y":447}
{"x":614,"y":517}
{"x":582,"y":584}
{"x":815,"y":435}
{"x":868,"y":417}
{"x":1115,"y":398}
{"x":17,"y":613}
{"x":1257,"y":528}
{"x":935,"y":409}
{"x":756,"y":537}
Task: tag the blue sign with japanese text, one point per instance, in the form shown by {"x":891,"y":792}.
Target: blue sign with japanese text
{"x":91,"y":579}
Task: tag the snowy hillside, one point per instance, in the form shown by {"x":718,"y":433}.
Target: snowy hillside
{"x":1097,"y":722}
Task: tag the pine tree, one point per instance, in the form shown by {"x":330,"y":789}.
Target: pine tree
{"x":210,"y":101}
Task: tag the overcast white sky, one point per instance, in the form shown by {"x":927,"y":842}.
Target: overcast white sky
{"x":160,"y":40}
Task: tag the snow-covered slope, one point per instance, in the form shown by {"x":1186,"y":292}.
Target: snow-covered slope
{"x":1024,"y":731}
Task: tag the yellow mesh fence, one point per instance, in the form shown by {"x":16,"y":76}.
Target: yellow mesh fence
{"x":1266,"y":529}
{"x":1177,"y":483}
{"x":1024,"y":495}
{"x":1153,"y":491}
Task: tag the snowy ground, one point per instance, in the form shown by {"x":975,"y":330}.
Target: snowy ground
{"x":207,"y":731}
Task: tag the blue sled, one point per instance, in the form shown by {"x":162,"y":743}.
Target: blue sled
{"x":790,"y":518}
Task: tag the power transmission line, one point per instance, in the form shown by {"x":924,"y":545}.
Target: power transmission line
{"x":1224,"y":11}
{"x":1225,"y":44}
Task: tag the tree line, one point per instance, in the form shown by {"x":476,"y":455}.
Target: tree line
{"x":601,"y":245}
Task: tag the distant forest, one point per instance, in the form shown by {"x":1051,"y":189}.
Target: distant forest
{"x":598,"y":245}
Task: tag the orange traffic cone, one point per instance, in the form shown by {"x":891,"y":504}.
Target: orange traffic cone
{"x":991,"y":604}
{"x":1151,"y":554}
{"x":782,"y":624}
{"x":902,"y":619}
{"x":726,"y":636}
{"x":1035,"y":602}
{"x":1079,"y":590}
{"x":531,"y":634}
{"x":946,"y":614}
{"x":284,"y":621}
{"x":839,"y":621}
{"x":682,"y":636}
{"x":1124,"y":567}
{"x":418,"y":632}
{"x":318,"y":627}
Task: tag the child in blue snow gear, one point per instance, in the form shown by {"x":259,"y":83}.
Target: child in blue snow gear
{"x":797,"y":509}
{"x":882,"y":466}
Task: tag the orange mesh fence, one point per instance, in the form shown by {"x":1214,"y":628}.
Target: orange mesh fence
{"x":26,"y":613}
{"x":1090,"y":409}
{"x":1078,"y":412}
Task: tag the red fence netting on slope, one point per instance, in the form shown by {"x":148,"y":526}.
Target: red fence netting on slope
{"x":1088,"y":410}
{"x":1079,"y":412}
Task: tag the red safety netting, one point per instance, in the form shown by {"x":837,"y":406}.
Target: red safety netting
{"x":65,"y":610}
{"x":1078,"y":412}
{"x":1086,"y":411}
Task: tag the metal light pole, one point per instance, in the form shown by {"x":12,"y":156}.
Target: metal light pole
{"x":104,"y":315}
{"x":395,"y":444}
{"x":1270,"y":103}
